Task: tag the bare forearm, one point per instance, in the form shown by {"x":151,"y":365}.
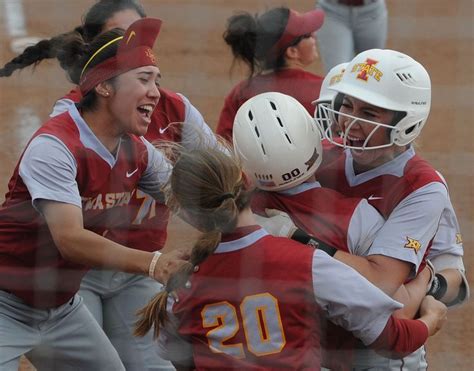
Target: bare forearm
{"x":381,"y":275}
{"x":412,"y":294}
{"x":90,"y":249}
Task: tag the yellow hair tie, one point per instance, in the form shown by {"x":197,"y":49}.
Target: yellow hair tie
{"x":98,"y":51}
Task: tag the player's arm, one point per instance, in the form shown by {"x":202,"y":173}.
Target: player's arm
{"x":357,"y":305}
{"x":411,"y":294}
{"x":48,"y":170}
{"x":77,"y":244}
{"x":450,"y":284}
{"x":401,"y":243}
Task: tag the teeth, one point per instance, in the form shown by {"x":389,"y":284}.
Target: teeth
{"x":147,"y":107}
{"x":354,"y":139}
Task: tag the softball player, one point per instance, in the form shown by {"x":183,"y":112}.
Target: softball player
{"x":114,"y":297}
{"x":71,"y":183}
{"x":256,"y":300}
{"x":350,"y":27}
{"x":276,"y":46}
{"x":382,"y":103}
{"x":281,"y":147}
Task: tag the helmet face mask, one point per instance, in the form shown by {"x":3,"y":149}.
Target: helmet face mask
{"x":390,"y":80}
{"x":325,"y":119}
{"x":277,"y":141}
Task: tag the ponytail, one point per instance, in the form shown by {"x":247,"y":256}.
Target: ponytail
{"x":207,"y":188}
{"x":155,"y":314}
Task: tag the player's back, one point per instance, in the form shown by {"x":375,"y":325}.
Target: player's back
{"x":251,"y":305}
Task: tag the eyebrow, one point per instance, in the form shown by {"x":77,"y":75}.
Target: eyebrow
{"x":150,"y":73}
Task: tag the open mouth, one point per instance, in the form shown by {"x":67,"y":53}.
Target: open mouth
{"x":354,"y":141}
{"x":145,"y":111}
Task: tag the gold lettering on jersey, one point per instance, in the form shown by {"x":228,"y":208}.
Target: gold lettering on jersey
{"x":458,"y":238}
{"x":413,"y":244}
{"x":107,"y":200}
{"x":367,"y":69}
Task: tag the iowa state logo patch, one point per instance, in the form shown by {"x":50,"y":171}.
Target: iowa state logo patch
{"x":367,"y":69}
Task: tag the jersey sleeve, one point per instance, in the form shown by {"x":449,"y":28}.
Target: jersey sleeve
{"x":401,"y":337}
{"x":365,"y":222}
{"x":196,"y":132}
{"x":156,"y":174}
{"x":49,"y":170}
{"x":171,"y":345}
{"x":411,"y":226}
{"x":226,"y":118}
{"x":448,"y":237}
{"x":349,"y":300}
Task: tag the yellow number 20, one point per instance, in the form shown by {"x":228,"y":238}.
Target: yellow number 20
{"x":261,"y":322}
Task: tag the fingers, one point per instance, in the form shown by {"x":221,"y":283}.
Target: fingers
{"x":275,"y":212}
{"x":171,"y":263}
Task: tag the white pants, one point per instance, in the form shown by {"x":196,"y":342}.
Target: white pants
{"x":113,"y":299}
{"x":349,"y":30}
{"x":367,"y":359}
{"x":66,"y":338}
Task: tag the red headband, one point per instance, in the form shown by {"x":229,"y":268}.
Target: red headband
{"x":134,"y":51}
{"x":298,"y":25}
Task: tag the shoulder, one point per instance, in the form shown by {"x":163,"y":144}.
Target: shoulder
{"x":419,"y":172}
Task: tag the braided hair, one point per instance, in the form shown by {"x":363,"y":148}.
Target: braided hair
{"x":92,"y":25}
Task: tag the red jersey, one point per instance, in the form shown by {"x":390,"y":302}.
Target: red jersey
{"x":256,"y":302}
{"x":266,"y":286}
{"x":31,"y":266}
{"x":324,"y":214}
{"x":321,"y":212}
{"x":385,"y":191}
{"x":145,"y":226}
{"x":302,"y":85}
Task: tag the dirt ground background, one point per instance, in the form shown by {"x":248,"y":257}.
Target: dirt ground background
{"x":195,"y":61}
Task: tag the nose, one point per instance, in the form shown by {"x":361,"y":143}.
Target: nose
{"x":154,"y":92}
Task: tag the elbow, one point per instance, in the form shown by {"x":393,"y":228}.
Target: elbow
{"x":386,"y":275}
{"x":65,"y":243}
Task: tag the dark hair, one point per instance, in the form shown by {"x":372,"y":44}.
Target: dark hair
{"x":76,"y":52}
{"x":95,"y":19}
{"x":252,"y":37}
{"x":208,"y":187}
{"x":92,"y":25}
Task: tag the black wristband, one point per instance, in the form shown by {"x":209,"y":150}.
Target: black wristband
{"x":439,"y":286}
{"x":303,"y":237}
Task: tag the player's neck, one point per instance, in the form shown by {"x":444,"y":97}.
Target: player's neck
{"x":246,"y":218}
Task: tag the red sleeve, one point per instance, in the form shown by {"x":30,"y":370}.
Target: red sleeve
{"x":226,"y":118}
{"x":400,"y":337}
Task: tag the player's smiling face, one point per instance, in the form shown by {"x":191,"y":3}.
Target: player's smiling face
{"x":134,"y":98}
{"x":356,"y":132}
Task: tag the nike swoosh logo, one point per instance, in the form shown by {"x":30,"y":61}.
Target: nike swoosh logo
{"x":372,"y":197}
{"x":128,"y":175}
{"x":162,"y":130}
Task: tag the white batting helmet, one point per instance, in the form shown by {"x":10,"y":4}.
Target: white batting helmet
{"x":324,"y":119}
{"x":277,"y":141}
{"x":390,"y":80}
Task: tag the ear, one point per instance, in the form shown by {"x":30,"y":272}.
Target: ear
{"x":103,"y":89}
{"x":292,"y":53}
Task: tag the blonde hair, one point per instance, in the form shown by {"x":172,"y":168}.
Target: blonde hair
{"x":207,"y":189}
